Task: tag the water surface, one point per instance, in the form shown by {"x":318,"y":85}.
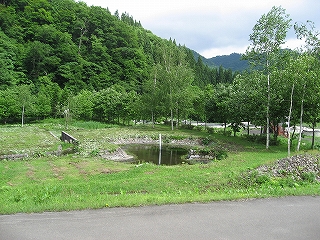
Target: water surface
{"x":150,"y":153}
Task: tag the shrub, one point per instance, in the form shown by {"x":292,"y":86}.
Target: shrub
{"x":226,"y":132}
{"x":206,"y":141}
{"x":213,"y":153}
{"x":210,"y":130}
{"x":308,"y":176}
{"x":176,"y":137}
{"x":261,"y":139}
{"x":168,"y":122}
{"x":187,"y":126}
{"x":252,"y":178}
{"x":220,"y":154}
{"x":199,"y":128}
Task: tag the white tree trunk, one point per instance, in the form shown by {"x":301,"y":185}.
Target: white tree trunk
{"x":268,"y":117}
{"x":289,"y":118}
{"x":22,"y":116}
{"x":301,"y":117}
{"x":171,"y":119}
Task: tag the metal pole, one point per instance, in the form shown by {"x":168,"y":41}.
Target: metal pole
{"x":160,"y":149}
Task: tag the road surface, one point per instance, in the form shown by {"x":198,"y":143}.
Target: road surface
{"x":275,"y":218}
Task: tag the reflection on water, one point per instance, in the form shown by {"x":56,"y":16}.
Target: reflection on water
{"x":151,"y":153}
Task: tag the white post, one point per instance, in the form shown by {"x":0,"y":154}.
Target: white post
{"x":160,"y":149}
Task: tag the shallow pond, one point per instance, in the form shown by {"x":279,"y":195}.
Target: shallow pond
{"x":151,"y":153}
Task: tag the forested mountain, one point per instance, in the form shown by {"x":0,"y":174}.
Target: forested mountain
{"x":233,"y":61}
{"x":77,"y":46}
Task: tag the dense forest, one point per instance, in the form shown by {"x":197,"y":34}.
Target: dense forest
{"x":63,"y":58}
{"x":61,"y":50}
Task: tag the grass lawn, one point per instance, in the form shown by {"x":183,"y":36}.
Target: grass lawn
{"x":85,"y":180}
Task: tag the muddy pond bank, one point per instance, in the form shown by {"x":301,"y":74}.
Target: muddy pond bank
{"x":173,"y":151}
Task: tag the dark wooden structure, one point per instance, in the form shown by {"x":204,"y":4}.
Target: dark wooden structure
{"x":65,"y":137}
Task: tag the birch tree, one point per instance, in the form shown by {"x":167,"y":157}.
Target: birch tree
{"x":311,"y":46}
{"x":177,"y":78}
{"x":25,"y":100}
{"x":269,"y":33}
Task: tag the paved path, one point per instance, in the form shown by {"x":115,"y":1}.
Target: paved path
{"x":280,"y":218}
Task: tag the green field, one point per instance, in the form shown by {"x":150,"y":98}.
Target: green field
{"x":84,"y":180}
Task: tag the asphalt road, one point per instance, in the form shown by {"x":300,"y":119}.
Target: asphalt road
{"x":276,"y":218}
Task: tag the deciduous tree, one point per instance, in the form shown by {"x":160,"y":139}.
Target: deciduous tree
{"x":269,"y":33}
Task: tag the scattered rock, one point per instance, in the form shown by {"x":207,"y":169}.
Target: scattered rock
{"x":133,"y":140}
{"x":13,"y":156}
{"x":117,"y":155}
{"x":195,"y":157}
{"x":295,"y":166}
{"x":148,"y":140}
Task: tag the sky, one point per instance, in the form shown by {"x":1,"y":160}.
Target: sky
{"x":211,"y":27}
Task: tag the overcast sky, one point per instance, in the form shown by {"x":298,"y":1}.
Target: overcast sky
{"x":210,"y":27}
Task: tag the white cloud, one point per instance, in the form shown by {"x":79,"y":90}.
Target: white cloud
{"x":209,"y":27}
{"x":220,"y":51}
{"x":293,"y":43}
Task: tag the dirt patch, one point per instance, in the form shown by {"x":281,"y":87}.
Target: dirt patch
{"x":31,"y":171}
{"x":107,"y":171}
{"x":79,"y":167}
{"x":57,"y":171}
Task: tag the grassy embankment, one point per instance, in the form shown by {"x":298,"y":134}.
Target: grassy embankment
{"x":85,"y":180}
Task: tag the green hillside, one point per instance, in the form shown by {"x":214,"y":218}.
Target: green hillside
{"x":77,"y":46}
{"x":233,"y":61}
{"x":62,"y":55}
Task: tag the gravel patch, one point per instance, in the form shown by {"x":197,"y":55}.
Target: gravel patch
{"x":295,"y":166}
{"x":117,"y":155}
